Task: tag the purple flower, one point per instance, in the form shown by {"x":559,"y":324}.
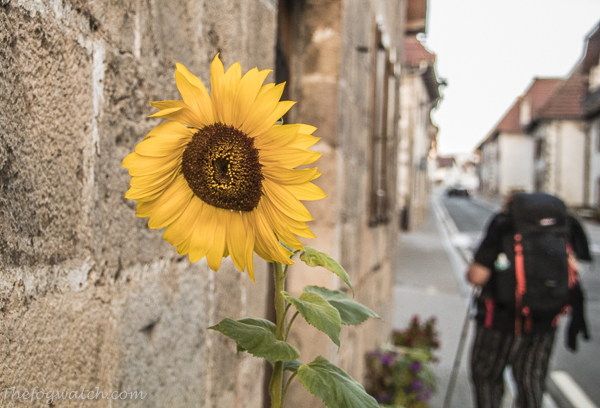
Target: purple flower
{"x":416,"y":384}
{"x":384,"y":398}
{"x":387,"y":360}
{"x":415,"y":366}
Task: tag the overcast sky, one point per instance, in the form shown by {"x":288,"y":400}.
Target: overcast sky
{"x":490,"y":50}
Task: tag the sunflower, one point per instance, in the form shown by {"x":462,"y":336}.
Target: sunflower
{"x":220,"y":173}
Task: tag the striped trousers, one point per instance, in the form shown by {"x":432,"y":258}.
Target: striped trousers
{"x":528,"y":355}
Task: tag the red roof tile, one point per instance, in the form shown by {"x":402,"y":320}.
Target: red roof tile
{"x":565,"y":102}
{"x":415,"y":52}
{"x":540,"y":92}
{"x":537,"y":95}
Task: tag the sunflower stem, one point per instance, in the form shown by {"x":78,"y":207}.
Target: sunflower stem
{"x":276,"y":384}
{"x":289,"y":326}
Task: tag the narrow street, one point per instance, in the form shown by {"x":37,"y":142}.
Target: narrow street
{"x":470,"y":218}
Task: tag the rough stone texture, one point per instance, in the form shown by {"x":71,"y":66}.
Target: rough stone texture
{"x":89,"y":295}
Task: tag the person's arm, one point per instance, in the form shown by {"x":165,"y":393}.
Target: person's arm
{"x":477,"y":274}
{"x":480,"y":271}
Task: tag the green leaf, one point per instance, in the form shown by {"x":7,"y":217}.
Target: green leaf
{"x":312,"y":257}
{"x":319,"y":313}
{"x":351,"y":312}
{"x":257,"y":337}
{"x":336,"y":388}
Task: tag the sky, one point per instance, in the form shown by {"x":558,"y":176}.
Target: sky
{"x":489,"y":51}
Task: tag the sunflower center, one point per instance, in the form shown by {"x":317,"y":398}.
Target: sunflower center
{"x":222,"y":167}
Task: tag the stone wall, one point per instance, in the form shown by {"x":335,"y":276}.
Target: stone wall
{"x":89,"y":295}
{"x":329,"y":47}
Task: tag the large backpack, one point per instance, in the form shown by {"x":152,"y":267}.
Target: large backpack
{"x":533,"y":279}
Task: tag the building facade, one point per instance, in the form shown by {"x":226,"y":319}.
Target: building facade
{"x":419,"y":95}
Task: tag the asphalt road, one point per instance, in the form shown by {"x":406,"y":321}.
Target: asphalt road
{"x":471,"y":218}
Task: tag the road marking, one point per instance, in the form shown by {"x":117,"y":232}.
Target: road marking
{"x":548,"y":402}
{"x":576,"y":396}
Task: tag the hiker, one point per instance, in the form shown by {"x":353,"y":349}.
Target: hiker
{"x":526,"y":267}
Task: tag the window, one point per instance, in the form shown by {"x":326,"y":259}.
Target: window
{"x":539,"y":148}
{"x":381,"y":129}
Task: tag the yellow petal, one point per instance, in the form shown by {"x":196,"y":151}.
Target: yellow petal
{"x":161,"y":147}
{"x":262,"y":109}
{"x":280,"y":224}
{"x":195,"y":96}
{"x":280,"y":110}
{"x":217,"y":73}
{"x":303,"y":141}
{"x":265,"y":237}
{"x":281,"y":175}
{"x":306,"y":191}
{"x":250,"y":242}
{"x":166,"y":208}
{"x":171,"y":128}
{"x":246,"y":94}
{"x":204,"y":231}
{"x":236,"y":240}
{"x":180,"y":229}
{"x":307,"y":129}
{"x":276,"y":136}
{"x":152,"y":192}
{"x":285,"y":201}
{"x":150,"y":180}
{"x":231,"y":82}
{"x":215,"y":253}
{"x":178,"y":111}
{"x":251,"y":224}
{"x":288,"y":157}
{"x":143,"y":165}
{"x":265,"y":88}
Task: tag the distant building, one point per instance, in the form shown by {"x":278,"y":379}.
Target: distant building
{"x":559,"y":132}
{"x":507,"y":152}
{"x":550,"y":138}
{"x":590,"y":68}
{"x":445,"y":170}
{"x":419,"y":95}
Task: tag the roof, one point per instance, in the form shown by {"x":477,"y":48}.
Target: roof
{"x":538,"y":93}
{"x":416,"y":56}
{"x":415,"y":52}
{"x":565,"y":102}
{"x":416,"y":16}
{"x":445,"y":161}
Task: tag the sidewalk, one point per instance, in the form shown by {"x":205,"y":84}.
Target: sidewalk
{"x":427,"y":284}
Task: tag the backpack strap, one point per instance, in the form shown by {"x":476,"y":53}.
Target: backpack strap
{"x":521,"y":283}
{"x":489,"y":313}
{"x":573,"y":278}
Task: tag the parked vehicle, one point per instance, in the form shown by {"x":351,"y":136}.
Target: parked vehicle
{"x":458,"y":192}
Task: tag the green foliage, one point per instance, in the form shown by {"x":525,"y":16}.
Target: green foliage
{"x":336,"y":388}
{"x":257,"y":337}
{"x":351,"y":312}
{"x":312,"y":257}
{"x":318,"y":313}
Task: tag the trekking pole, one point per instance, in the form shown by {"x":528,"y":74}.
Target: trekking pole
{"x":461,"y":345}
